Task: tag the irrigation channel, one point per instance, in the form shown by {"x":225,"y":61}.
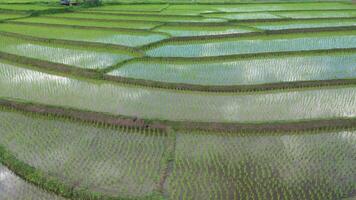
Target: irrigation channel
{"x":178,"y":100}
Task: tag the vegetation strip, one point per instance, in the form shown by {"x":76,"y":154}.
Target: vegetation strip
{"x":99,"y":75}
{"x":52,"y":184}
{"x":125,"y":30}
{"x":165,"y":125}
{"x":248,"y":34}
{"x":119,"y":48}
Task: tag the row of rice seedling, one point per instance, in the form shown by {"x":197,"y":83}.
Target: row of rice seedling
{"x":197,"y":30}
{"x":91,"y":23}
{"x":255,"y":44}
{"x":115,"y":162}
{"x":255,"y":7}
{"x":293,"y":24}
{"x":245,"y":71}
{"x":243,"y":16}
{"x":60,"y":54}
{"x":140,"y":17}
{"x":5,"y":16}
{"x":94,"y":35}
{"x":27,"y":7}
{"x":151,"y":103}
{"x":317,"y":165}
{"x":317,"y":14}
{"x":12,"y":187}
{"x":133,"y":7}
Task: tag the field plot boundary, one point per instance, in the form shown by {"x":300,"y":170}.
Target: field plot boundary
{"x":213,"y":38}
{"x":100,"y":46}
{"x":165,"y":125}
{"x":53,"y":185}
{"x":68,"y":70}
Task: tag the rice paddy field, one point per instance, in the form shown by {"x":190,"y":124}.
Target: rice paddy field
{"x":163,"y":100}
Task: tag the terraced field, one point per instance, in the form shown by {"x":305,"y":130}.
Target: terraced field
{"x":178,"y":101}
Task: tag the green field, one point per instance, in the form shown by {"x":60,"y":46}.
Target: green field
{"x":177,"y":100}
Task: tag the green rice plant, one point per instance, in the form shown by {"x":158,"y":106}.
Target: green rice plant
{"x":245,"y":71}
{"x":58,"y":54}
{"x":318,"y":166}
{"x":317,"y":14}
{"x":151,"y":103}
{"x":262,"y":7}
{"x":5,"y":16}
{"x":139,"y":17}
{"x":243,"y":16}
{"x":116,"y":162}
{"x":92,"y":35}
{"x":133,"y":7}
{"x":13,"y":187}
{"x":91,"y":23}
{"x":179,"y":30}
{"x":294,"y":24}
{"x":26,"y":7}
{"x":255,"y":44}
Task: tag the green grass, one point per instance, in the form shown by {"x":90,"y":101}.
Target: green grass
{"x":64,"y":55}
{"x":12,"y":187}
{"x":245,"y":71}
{"x":317,"y":166}
{"x":102,"y":36}
{"x":92,"y":23}
{"x":291,"y":42}
{"x":152,"y":103}
{"x":110,"y":161}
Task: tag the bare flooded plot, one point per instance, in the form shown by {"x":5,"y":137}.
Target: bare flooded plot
{"x":259,"y":44}
{"x":64,"y":55}
{"x":101,"y":36}
{"x":300,"y":166}
{"x":92,"y":23}
{"x":12,"y":187}
{"x":292,"y":24}
{"x":178,"y":30}
{"x":245,"y":71}
{"x":114,"y":162}
{"x":193,"y":106}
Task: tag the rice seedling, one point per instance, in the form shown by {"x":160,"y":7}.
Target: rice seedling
{"x":63,"y":55}
{"x":317,"y":165}
{"x":123,"y":17}
{"x":118,"y":162}
{"x":243,"y":16}
{"x":12,"y":187}
{"x":245,"y":71}
{"x":136,"y":8}
{"x":179,"y":30}
{"x":148,"y":103}
{"x":292,"y":24}
{"x":101,"y":36}
{"x":318,"y":14}
{"x":4,"y":16}
{"x":91,"y":23}
{"x":292,"y":42}
{"x":26,"y":7}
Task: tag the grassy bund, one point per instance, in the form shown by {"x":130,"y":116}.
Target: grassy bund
{"x":158,"y":100}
